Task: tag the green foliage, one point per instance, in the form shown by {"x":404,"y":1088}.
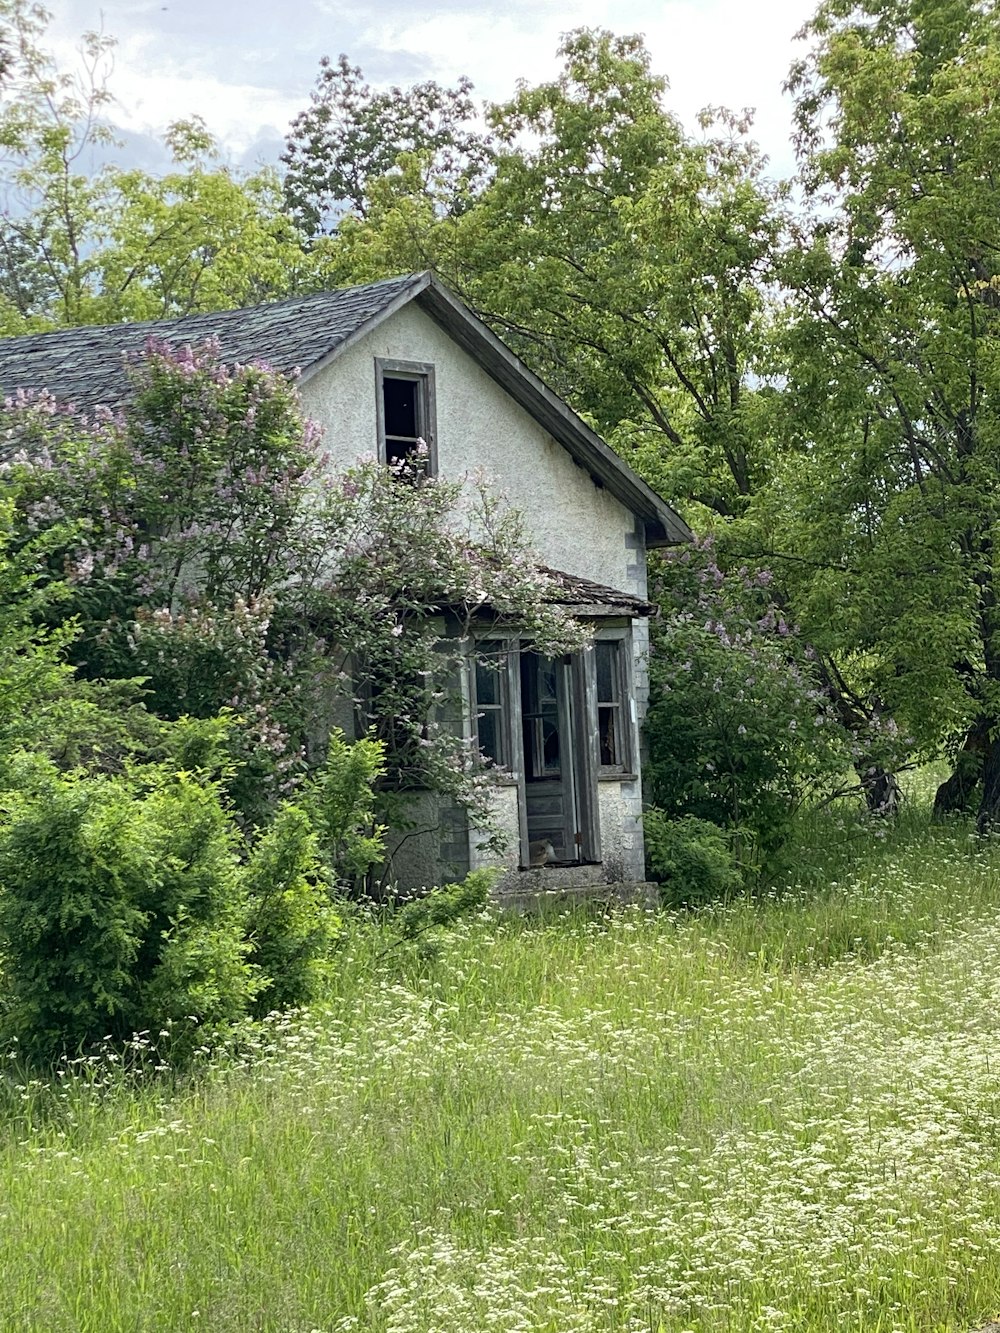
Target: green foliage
{"x":33,"y":671}
{"x":351,"y":136}
{"x":119,"y":909}
{"x":291,"y":920}
{"x":193,"y":962}
{"x":692,"y":858}
{"x":340,"y":799}
{"x":893,"y":349}
{"x":423,"y":921}
{"x":738,"y":730}
{"x":81,"y":247}
{"x":71,"y":927}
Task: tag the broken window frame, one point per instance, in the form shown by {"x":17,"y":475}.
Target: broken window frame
{"x":421,"y":374}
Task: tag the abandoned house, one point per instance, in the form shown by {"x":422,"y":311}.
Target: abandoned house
{"x":381,"y":367}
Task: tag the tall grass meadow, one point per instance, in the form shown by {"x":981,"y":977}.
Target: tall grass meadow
{"x":779,"y":1113}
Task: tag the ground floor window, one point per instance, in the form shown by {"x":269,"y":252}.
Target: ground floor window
{"x":609,"y":663}
{"x":491,"y":701}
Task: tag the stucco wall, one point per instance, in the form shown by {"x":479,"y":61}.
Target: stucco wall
{"x":574,"y":525}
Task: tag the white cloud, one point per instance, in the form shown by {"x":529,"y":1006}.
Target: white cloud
{"x":247,"y":78}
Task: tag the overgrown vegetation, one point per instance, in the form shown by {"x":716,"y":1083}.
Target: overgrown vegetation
{"x":812,"y":386}
{"x":777,"y":1114}
{"x":190,"y":603}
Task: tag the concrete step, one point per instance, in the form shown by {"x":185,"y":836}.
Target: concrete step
{"x":559,"y":897}
{"x":544,"y":878}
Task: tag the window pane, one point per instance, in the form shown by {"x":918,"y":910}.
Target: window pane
{"x":487,"y":684}
{"x":490,"y":735}
{"x":607,"y":672}
{"x":400,"y":406}
{"x":488,"y":672}
{"x":607,"y":723}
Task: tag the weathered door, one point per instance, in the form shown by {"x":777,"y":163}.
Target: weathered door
{"x":552,"y":760}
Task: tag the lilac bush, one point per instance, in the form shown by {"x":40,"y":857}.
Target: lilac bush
{"x":740,"y":730}
{"x":212,"y":552}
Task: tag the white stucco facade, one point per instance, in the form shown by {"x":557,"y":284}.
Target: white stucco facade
{"x":575,"y":525}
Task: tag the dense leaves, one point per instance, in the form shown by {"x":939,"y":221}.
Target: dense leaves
{"x":351,"y":136}
{"x":739,"y":732}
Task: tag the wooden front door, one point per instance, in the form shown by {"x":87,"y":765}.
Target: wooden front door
{"x":556,"y":777}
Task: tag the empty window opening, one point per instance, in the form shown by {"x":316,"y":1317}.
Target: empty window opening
{"x":401,"y":407}
{"x":406,"y":414}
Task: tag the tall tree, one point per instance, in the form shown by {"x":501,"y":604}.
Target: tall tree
{"x":352,"y":135}
{"x":626,"y":261}
{"x":80,"y":246}
{"x":896,"y":351}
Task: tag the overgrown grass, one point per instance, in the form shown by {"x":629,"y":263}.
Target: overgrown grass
{"x":781,"y":1114}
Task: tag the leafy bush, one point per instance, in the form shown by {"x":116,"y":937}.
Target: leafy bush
{"x":193,"y":963}
{"x":692,"y":859}
{"x":291,"y":920}
{"x":71,"y":928}
{"x":738,"y":730}
{"x":422,"y":922}
{"x":132,"y":901}
{"x":202,"y":545}
{"x":340,"y":800}
{"x":120,"y":908}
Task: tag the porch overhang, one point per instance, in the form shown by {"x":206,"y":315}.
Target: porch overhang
{"x":588,"y":600}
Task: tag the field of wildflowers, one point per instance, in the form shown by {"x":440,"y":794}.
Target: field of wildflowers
{"x":783,"y":1114}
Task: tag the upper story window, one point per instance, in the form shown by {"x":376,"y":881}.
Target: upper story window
{"x":407,"y":429}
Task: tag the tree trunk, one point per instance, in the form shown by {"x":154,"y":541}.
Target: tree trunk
{"x":988,"y":819}
{"x":883,"y":794}
{"x":956,"y":794}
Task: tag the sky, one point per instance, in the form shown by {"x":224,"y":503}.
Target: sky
{"x":247,"y":66}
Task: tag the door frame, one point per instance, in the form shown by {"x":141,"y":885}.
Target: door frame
{"x":578,"y":743}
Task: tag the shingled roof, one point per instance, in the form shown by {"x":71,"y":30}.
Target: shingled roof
{"x":85,"y":366}
{"x":584,"y":598}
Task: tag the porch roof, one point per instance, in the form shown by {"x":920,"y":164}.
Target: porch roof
{"x":588,"y":599}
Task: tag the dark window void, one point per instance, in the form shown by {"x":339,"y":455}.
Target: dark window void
{"x":403,"y":416}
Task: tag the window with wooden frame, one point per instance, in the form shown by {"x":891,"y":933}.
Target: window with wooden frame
{"x":491,"y":700}
{"x":405,"y":404}
{"x":541,"y":717}
{"x":613,"y":714}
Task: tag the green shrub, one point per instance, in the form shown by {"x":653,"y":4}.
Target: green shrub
{"x":121,"y":909}
{"x":422,"y":921}
{"x":739,"y":731}
{"x":193,"y":964}
{"x":340,"y":801}
{"x":692,"y":859}
{"x":291,"y":920}
{"x":71,"y":927}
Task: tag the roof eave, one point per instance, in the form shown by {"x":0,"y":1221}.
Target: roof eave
{"x":663,"y":526}
{"x":403,"y":297}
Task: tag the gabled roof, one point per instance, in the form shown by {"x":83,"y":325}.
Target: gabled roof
{"x":85,"y":366}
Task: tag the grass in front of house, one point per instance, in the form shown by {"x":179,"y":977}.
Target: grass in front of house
{"x":781,"y":1114}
